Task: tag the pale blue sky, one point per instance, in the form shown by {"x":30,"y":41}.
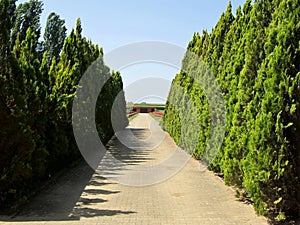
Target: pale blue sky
{"x":114,"y":23}
{"x":117,"y":22}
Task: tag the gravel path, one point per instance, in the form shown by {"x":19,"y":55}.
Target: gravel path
{"x":144,"y":179}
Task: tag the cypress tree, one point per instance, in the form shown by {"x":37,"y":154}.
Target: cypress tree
{"x":54,"y":36}
{"x":257,"y":68}
{"x":27,"y":15}
{"x":36,"y":96}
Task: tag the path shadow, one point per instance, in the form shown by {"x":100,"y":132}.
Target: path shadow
{"x":75,"y":192}
{"x":88,"y":212}
{"x":130,"y":146}
{"x":58,"y":201}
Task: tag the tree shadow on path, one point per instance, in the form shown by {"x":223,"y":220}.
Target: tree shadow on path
{"x":77,"y":192}
{"x":58,"y":201}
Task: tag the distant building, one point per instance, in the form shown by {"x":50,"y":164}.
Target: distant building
{"x":145,"y":108}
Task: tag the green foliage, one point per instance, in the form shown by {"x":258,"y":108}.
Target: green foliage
{"x":7,"y":8}
{"x":36,"y":96}
{"x":255,"y":58}
{"x":54,"y":36}
{"x":27,"y":15}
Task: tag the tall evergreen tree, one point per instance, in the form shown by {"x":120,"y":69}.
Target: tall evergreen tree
{"x":257,"y":68}
{"x":36,"y":97}
{"x":6,"y":11}
{"x":27,"y":15}
{"x":274,"y":149}
{"x":54,"y":36}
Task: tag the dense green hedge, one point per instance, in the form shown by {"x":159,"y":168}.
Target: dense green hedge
{"x":37,"y":86}
{"x":255,"y":57}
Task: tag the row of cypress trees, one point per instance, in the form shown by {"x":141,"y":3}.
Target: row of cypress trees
{"x":254,"y":56}
{"x":38,"y":81}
